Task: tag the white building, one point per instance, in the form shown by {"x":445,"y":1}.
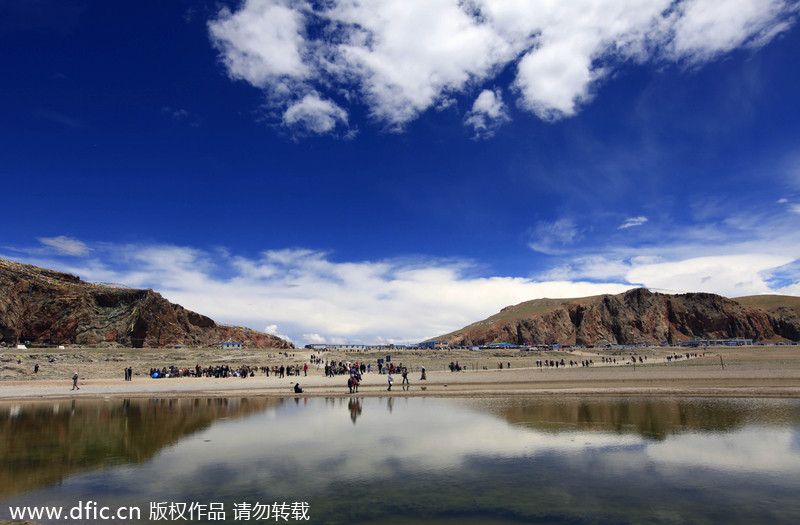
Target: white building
{"x":231,"y":345}
{"x":344,"y":348}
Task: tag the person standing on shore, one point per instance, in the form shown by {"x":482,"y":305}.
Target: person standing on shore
{"x":390,"y":381}
{"x":75,"y":382}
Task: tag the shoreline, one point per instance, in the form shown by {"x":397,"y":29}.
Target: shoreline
{"x":747,"y":372}
{"x":645,"y":381}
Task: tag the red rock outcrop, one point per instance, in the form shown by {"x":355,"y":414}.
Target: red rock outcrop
{"x":636,"y":316}
{"x":49,"y":307}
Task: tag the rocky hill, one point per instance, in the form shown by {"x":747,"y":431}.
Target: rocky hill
{"x":49,"y":307}
{"x":636,"y":316}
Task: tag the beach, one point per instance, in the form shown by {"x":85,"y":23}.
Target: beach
{"x":758,"y":371}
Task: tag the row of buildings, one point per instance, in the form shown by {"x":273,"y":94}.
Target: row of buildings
{"x":444,"y":345}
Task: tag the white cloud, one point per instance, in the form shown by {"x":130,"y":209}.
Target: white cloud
{"x":701,"y":261}
{"x":487,"y":113}
{"x":407,"y":55}
{"x":316,"y":300}
{"x":312,"y":298}
{"x":751,"y":252}
{"x":703,"y":29}
{"x":264,"y":42}
{"x":319,"y":339}
{"x":795,"y":208}
{"x":65,"y":245}
{"x":401,"y":57}
{"x":730,"y":275}
{"x":632,"y":221}
{"x":314,"y":114}
{"x":552,"y":237}
{"x":577,"y":45}
{"x":273,"y":330}
{"x":313,"y":339}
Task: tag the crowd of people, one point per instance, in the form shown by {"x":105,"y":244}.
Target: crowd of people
{"x":224,"y":371}
{"x":687,"y":355}
{"x":355,"y":370}
{"x":334,"y":368}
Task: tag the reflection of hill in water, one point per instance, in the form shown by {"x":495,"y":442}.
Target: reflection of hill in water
{"x":41,"y":444}
{"x":651,"y":418}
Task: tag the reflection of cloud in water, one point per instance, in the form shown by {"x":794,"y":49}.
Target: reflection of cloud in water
{"x":751,"y":449}
{"x":297,"y":450}
{"x":796,"y":439}
{"x":280,"y":445}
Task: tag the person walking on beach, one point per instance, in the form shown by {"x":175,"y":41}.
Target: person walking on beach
{"x":405,"y":377}
{"x":423,"y":377}
{"x":390,"y":381}
{"x":75,"y":382}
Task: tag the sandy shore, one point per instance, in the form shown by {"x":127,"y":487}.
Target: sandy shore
{"x":747,"y":372}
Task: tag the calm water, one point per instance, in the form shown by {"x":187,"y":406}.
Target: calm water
{"x":414,"y":460}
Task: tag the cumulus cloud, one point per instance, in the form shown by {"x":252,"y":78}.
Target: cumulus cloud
{"x":753,"y":251}
{"x":402,"y":58}
{"x":700,"y":261}
{"x":264,"y":42}
{"x":577,"y":45}
{"x":273,"y":330}
{"x":314,"y":114}
{"x":314,"y":299}
{"x":703,"y":29}
{"x":733,"y":275}
{"x":633,"y":221}
{"x":727,"y":274}
{"x":487,"y":113}
{"x":330,"y":340}
{"x":314,"y":339}
{"x":65,"y":245}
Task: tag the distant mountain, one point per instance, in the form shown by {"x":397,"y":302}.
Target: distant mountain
{"x":636,"y":316}
{"x":49,"y":307}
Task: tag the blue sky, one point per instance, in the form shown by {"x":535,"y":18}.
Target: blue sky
{"x":388,"y":171}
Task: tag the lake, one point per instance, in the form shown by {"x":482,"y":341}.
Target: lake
{"x":404,"y":460}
